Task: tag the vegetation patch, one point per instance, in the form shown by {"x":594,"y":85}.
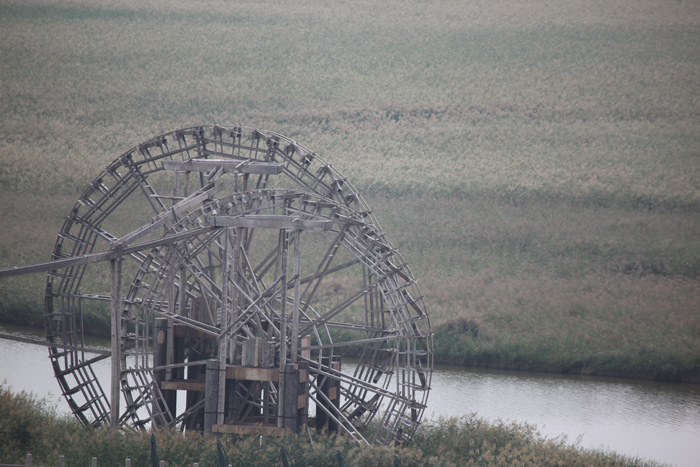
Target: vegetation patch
{"x":29,"y":425}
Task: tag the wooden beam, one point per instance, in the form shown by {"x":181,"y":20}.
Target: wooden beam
{"x":182,"y":385}
{"x":211,"y":394}
{"x":228,"y":166}
{"x":171,"y":214}
{"x":270,"y":222}
{"x":115,"y":309}
{"x":103,"y":256}
{"x":56,"y":345}
{"x":248,"y":373}
{"x":183,"y":330}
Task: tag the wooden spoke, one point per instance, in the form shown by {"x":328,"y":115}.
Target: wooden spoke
{"x":247,"y":263}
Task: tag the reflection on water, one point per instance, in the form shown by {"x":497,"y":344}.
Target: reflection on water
{"x":644,"y":419}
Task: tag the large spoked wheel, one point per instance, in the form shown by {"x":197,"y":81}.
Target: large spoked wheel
{"x":254,"y":252}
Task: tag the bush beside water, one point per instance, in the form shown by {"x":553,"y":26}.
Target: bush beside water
{"x":29,"y":425}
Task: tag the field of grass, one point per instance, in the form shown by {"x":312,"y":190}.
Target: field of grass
{"x":537,"y":163}
{"x":29,"y":425}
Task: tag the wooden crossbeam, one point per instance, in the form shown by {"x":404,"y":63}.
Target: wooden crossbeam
{"x":103,"y":256}
{"x":245,"y":373}
{"x":170,"y":215}
{"x":228,"y":166}
{"x":270,"y":222}
{"x":182,"y":385}
{"x":56,"y":345}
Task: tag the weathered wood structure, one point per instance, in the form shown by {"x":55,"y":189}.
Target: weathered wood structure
{"x":238,"y":267}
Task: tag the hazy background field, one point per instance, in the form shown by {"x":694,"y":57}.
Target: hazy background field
{"x":536,"y":162}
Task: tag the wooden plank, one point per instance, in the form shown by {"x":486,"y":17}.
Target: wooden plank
{"x":244,"y":373}
{"x":182,"y":385}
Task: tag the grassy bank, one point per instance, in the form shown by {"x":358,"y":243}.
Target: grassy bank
{"x":538,"y":167}
{"x":29,"y":425}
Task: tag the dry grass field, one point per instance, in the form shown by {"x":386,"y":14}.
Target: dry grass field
{"x":537,"y":163}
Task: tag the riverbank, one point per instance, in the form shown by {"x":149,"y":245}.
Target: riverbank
{"x":457,"y":344}
{"x":30,"y":425}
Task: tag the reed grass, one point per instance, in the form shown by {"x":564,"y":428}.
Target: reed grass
{"x":537,"y":166}
{"x":30,"y":425}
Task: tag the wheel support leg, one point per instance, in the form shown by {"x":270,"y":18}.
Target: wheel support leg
{"x":115,"y":305}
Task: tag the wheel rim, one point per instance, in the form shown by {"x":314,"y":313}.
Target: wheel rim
{"x":352,"y":289}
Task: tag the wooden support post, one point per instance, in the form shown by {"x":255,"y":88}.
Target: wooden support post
{"x":234,"y":350}
{"x":159,"y":350}
{"x":282,"y":248}
{"x":211,"y":394}
{"x":232,"y":400}
{"x":178,"y":355}
{"x":196,"y":420}
{"x":290,"y":376}
{"x":297,"y":298}
{"x":225,"y":313}
{"x":334,"y":393}
{"x":160,"y":347}
{"x":115,"y":310}
{"x":306,"y":342}
{"x":324,"y":386}
{"x":303,"y":399}
{"x":330,"y":387}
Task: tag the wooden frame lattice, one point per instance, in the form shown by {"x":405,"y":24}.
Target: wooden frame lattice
{"x":251,"y":254}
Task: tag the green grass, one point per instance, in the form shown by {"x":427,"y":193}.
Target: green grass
{"x":30,"y":425}
{"x":538,"y":167}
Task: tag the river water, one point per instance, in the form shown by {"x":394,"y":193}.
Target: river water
{"x":643,"y":419}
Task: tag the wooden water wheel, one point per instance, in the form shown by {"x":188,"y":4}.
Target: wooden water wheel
{"x":250,"y":289}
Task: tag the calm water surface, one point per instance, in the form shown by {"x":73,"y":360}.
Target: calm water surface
{"x":643,"y":419}
{"x":650,"y":420}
